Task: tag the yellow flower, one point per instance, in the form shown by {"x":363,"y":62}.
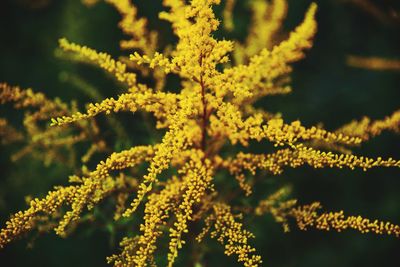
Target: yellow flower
{"x":374,"y":63}
{"x":211,"y":111}
{"x":307,"y":216}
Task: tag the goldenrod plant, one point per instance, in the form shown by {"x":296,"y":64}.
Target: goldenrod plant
{"x":171,"y":185}
{"x":374,"y":63}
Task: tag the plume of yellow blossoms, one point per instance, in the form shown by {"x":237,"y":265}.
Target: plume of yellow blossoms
{"x":373,"y":63}
{"x":44,"y":142}
{"x":308,"y":216}
{"x":212,"y":109}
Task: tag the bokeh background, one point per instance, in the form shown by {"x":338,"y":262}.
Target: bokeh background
{"x":326,"y":90}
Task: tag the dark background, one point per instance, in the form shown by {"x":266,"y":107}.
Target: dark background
{"x":325,"y":90}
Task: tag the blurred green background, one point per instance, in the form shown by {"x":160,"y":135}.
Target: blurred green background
{"x":325,"y":90}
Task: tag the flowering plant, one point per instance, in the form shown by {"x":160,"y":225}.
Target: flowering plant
{"x":213,"y":110}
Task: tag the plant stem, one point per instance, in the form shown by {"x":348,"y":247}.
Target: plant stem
{"x":204,"y":115}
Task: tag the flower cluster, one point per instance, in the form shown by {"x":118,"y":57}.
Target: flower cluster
{"x":38,"y":139}
{"x":174,"y":180}
{"x":374,"y":63}
{"x":307,"y":216}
